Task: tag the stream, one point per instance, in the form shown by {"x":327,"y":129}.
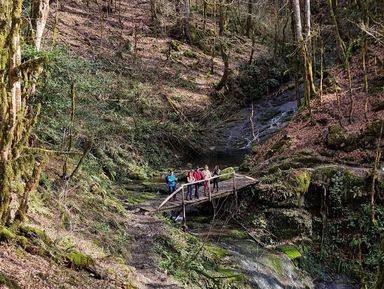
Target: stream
{"x":237,"y":136}
{"x":263,"y":268}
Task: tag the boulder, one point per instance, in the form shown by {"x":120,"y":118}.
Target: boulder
{"x":289,"y":223}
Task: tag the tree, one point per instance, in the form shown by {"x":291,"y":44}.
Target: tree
{"x":380,"y":279}
{"x":302,"y":42}
{"x":20,"y":165}
{"x":40,"y":14}
{"x":183,"y":11}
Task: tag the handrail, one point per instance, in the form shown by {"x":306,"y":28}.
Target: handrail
{"x":193,"y":183}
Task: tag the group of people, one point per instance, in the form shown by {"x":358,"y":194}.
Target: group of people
{"x":196,"y":178}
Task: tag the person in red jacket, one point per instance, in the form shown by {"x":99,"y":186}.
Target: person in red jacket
{"x":198,"y":175}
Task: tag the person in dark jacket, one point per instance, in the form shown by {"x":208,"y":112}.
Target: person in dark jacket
{"x":216,"y":174}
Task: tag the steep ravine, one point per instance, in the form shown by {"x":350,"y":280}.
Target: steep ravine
{"x":263,"y":268}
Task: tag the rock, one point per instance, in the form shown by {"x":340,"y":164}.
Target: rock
{"x":289,"y":223}
{"x":339,"y":139}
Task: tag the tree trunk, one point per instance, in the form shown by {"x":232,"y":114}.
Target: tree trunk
{"x":307,"y":19}
{"x":302,"y":45}
{"x":380,"y":279}
{"x":39,"y":15}
{"x":297,"y":20}
{"x":17,"y":116}
{"x":186,"y":21}
{"x":224,"y":78}
{"x":249,"y":19}
{"x":341,"y":48}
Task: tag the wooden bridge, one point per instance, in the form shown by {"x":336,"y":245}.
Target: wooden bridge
{"x":177,"y":201}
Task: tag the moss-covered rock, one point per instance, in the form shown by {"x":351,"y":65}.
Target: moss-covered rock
{"x":6,"y":234}
{"x":289,"y":223}
{"x":22,"y":241}
{"x":338,"y":138}
{"x":34,"y":233}
{"x":191,"y":54}
{"x":79,"y":260}
{"x":175,"y":45}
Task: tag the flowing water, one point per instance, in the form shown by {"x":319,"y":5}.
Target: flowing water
{"x":237,"y":136}
{"x":264,"y":268}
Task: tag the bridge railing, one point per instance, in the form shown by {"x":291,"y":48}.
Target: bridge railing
{"x":181,"y":189}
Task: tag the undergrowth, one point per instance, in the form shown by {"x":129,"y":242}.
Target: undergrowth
{"x":130,"y":125}
{"x":193,"y":263}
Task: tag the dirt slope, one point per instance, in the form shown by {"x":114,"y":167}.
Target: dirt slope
{"x":328,"y":135}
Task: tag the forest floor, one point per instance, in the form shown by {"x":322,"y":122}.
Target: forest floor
{"x":182,"y":72}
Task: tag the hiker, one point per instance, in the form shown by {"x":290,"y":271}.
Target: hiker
{"x":190,"y":179}
{"x":198,"y":177}
{"x":216,"y":173}
{"x":207,"y":175}
{"x":171,"y":182}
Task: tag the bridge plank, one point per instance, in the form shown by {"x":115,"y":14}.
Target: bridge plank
{"x":225,"y":189}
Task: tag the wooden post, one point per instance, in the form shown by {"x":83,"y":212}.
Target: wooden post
{"x":209,"y":190}
{"x":184,"y":213}
{"x":234,"y":189}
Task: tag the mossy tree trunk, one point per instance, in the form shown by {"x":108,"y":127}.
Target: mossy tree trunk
{"x":302,"y":43}
{"x":380,"y":279}
{"x":225,"y":56}
{"x":17,"y":162}
{"x":39,"y":17}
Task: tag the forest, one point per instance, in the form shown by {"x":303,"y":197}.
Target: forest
{"x":218,"y":144}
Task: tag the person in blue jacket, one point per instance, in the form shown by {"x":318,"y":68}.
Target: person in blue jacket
{"x":171,"y":182}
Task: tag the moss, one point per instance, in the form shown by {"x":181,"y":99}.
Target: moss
{"x":34,"y":233}
{"x":216,"y":250}
{"x":8,"y":282}
{"x":19,"y":252}
{"x":79,"y":260}
{"x":175,"y":45}
{"x":191,"y":54}
{"x":338,"y":138}
{"x":6,"y":234}
{"x":134,"y":198}
{"x":291,"y":251}
{"x":154,"y":187}
{"x":300,"y":181}
{"x":22,"y":241}
{"x":238,"y":234}
{"x":228,"y":170}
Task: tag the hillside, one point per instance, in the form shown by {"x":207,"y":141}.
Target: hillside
{"x":121,"y":92}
